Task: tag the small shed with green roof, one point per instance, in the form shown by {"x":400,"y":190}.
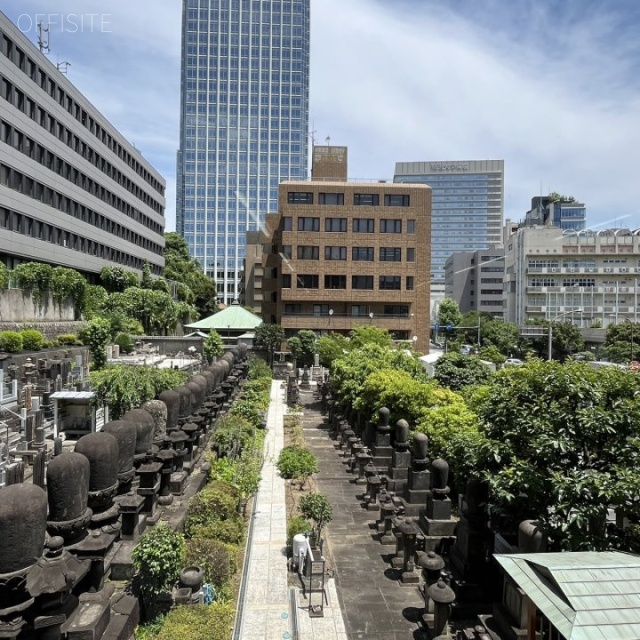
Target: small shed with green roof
{"x":231,"y":322}
{"x":580,"y":595}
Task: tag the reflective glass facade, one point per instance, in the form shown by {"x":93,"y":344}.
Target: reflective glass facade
{"x":466,"y":206}
{"x":243,"y":124}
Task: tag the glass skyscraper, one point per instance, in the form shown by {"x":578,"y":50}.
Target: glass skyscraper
{"x":467,"y":204}
{"x":243,"y":123}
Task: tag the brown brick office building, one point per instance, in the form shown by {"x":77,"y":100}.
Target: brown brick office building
{"x":341,"y":254}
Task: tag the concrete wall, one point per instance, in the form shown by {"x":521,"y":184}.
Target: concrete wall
{"x":17,"y":305}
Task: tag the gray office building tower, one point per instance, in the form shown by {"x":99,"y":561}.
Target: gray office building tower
{"x":466,"y":208}
{"x":243,"y":124}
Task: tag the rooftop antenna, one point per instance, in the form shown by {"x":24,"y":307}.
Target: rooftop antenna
{"x":328,"y":140}
{"x":63,"y":66}
{"x":43,"y":37}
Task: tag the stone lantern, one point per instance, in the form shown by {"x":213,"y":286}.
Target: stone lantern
{"x":431,"y":564}
{"x":442,"y":596}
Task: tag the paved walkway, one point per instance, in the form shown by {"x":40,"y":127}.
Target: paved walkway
{"x":265,"y":605}
{"x":375,"y":605}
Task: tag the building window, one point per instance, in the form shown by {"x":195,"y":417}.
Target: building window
{"x":308,"y":224}
{"x":292,"y":309}
{"x":411,"y":226}
{"x":320,"y":309}
{"x":362,"y":254}
{"x":362,"y":282}
{"x":359,"y":310}
{"x":335,"y":282}
{"x":366,"y":199}
{"x":389,"y":283}
{"x":396,"y":200}
{"x":398,"y":310}
{"x":363,"y":225}
{"x":331,"y":198}
{"x":409,"y":283}
{"x":335,"y":253}
{"x":286,"y":223}
{"x":335,"y":225}
{"x":390,"y":226}
{"x":390,"y":254}
{"x":308,"y":281}
{"x":286,"y":281}
{"x":411,"y":254}
{"x":308,"y":252}
{"x":300,"y":197}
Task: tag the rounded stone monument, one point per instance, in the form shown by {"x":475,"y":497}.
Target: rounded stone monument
{"x":143,"y":422}
{"x":171,"y":399}
{"x":125,"y":433}
{"x":68,"y":494}
{"x":186,"y":401}
{"x":101,"y":449}
{"x":157,"y":409}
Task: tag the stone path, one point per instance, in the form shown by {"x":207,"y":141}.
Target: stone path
{"x":375,"y":605}
{"x":265,"y":608}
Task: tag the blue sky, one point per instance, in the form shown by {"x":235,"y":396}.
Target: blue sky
{"x":551,"y":87}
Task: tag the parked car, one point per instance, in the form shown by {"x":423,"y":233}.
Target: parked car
{"x":513,"y":362}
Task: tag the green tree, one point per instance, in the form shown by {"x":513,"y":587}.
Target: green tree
{"x":449,"y":313}
{"x":333,"y":346}
{"x":566,"y":340}
{"x":146,"y":281}
{"x":621,"y":344}
{"x":303,"y":347}
{"x":455,"y":371}
{"x":269,"y":337}
{"x":97,"y":335}
{"x":182,"y":268}
{"x":34,"y":277}
{"x":213,"y":345}
{"x":562,"y":445}
{"x":316,"y":506}
{"x":117,"y":279}
{"x":68,"y":284}
{"x":367,"y":334}
{"x":504,"y":336}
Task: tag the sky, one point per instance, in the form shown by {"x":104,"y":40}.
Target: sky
{"x":552,"y":87}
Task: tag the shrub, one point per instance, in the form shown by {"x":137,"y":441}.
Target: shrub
{"x":158,"y":558}
{"x":258,"y":368}
{"x":214,"y":557}
{"x":249,"y":411}
{"x":217,"y":501}
{"x":297,"y":525}
{"x":68,"y":339}
{"x":124,"y":341}
{"x":32,"y":339}
{"x":230,"y":531}
{"x":199,"y":622}
{"x":231,"y":434}
{"x":10,"y":341}
{"x":296,"y":462}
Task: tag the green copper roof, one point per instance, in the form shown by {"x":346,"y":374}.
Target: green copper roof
{"x":585,"y":595}
{"x":233,"y":318}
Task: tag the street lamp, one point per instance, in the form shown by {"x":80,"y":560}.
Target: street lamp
{"x":370,"y":317}
{"x":550,"y":336}
{"x":415,"y":342}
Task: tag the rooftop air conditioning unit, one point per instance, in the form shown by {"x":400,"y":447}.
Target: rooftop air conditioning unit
{"x":553,"y":270}
{"x":608,"y":270}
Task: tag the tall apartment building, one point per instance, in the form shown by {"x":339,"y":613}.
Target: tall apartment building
{"x":587,"y":277}
{"x":467,"y":208}
{"x":73,"y":191}
{"x":342,"y":254}
{"x":474,"y":279}
{"x":243,"y":124}
{"x":558,"y":211}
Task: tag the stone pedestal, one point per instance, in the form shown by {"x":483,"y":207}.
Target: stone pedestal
{"x":381,"y":449}
{"x":177,"y":482}
{"x":149,"y":487}
{"x":165,"y":457}
{"x":130,"y":508}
